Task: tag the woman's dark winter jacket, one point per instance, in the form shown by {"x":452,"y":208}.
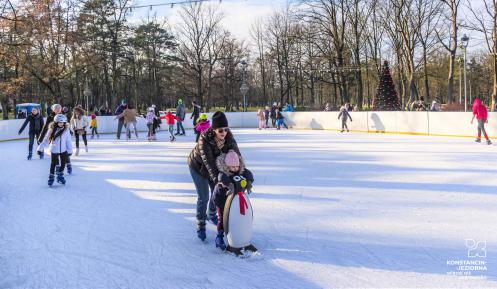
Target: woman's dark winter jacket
{"x":50,"y":119}
{"x":203,"y":157}
{"x":35,"y":123}
{"x":279,"y":115}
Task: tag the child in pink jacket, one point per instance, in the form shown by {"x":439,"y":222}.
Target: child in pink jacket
{"x":202,"y":125}
{"x":481,"y":114}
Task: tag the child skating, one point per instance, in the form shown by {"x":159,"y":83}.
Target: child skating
{"x":93,"y":126}
{"x":150,"y":124}
{"x":344,"y":114}
{"x":170,"y":123}
{"x":35,"y":120}
{"x":233,"y":178}
{"x":58,"y":138}
{"x":202,"y":125}
{"x":481,"y":114}
{"x":261,"y":118}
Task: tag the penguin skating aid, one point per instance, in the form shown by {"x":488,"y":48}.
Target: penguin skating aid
{"x":238,"y":218}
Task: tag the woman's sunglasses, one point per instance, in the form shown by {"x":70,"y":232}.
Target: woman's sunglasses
{"x":221,"y":130}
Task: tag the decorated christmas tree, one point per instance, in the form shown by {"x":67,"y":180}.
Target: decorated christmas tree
{"x":386,"y":97}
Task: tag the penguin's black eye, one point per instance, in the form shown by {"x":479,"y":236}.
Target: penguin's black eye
{"x":236,"y":178}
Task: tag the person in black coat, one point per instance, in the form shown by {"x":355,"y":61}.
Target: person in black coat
{"x":195,"y":115}
{"x":120,"y":109}
{"x":202,"y":164}
{"x":35,"y":120}
{"x":56,"y":109}
{"x":272,"y":114}
{"x":196,"y":112}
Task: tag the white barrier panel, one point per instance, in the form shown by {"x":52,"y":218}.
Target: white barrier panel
{"x":459,"y":124}
{"x":409,"y":122}
{"x":9,"y":129}
{"x":382,"y":121}
{"x":359,"y":121}
{"x":428,"y":123}
{"x":413,"y":122}
{"x":312,"y":120}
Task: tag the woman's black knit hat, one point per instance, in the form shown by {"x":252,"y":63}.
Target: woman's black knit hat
{"x":219,"y":120}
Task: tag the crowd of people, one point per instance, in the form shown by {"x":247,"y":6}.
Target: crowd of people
{"x":275,"y":114}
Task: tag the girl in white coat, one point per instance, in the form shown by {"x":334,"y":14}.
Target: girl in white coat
{"x":58,"y":138}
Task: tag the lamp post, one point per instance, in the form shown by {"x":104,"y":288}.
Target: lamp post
{"x":244,"y":88}
{"x":464,"y":44}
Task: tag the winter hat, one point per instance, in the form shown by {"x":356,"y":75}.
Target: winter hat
{"x":231,"y":159}
{"x":219,"y":120}
{"x":203,"y":116}
{"x":60,"y":118}
{"x":56,"y":106}
{"x":93,"y":116}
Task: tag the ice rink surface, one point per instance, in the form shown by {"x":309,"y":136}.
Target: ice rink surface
{"x":331,"y":210}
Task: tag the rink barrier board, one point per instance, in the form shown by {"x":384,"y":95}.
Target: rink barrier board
{"x":400,"y":133}
{"x":443,"y":124}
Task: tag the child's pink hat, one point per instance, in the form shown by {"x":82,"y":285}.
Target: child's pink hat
{"x":232,"y":159}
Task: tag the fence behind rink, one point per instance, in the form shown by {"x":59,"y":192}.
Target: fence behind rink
{"x":396,"y":122}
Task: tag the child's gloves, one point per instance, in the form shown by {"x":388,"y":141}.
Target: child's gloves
{"x":231,"y":189}
{"x":249,"y":187}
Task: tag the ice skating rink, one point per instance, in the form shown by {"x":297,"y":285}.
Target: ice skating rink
{"x":331,"y":210}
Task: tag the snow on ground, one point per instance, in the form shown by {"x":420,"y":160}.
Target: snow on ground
{"x":331,"y":211}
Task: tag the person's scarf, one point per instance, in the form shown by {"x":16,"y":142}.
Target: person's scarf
{"x":220,"y":142}
{"x":57,"y":132}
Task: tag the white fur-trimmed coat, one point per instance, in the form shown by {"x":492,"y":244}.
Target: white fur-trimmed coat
{"x":60,"y":144}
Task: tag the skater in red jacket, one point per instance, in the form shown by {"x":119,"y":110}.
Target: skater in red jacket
{"x":170,"y":122}
{"x":481,"y":114}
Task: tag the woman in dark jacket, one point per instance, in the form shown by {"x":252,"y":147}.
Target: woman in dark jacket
{"x":35,"y":120}
{"x":202,"y":163}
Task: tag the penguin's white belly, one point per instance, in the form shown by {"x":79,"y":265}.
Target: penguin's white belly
{"x":239,"y":226}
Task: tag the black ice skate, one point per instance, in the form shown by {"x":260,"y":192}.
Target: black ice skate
{"x":51,"y":179}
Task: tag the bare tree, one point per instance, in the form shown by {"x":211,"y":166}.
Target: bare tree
{"x":485,"y":21}
{"x":198,"y":24}
{"x":452,"y":25}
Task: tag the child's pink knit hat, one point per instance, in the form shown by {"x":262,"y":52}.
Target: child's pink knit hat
{"x":232,"y":159}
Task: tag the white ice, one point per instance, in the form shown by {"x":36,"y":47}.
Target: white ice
{"x":331,"y":210}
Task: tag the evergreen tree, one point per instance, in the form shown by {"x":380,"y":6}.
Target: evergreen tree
{"x":386,"y":97}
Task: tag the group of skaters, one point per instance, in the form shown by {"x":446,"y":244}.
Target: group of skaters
{"x":215,"y":163}
{"x":56,"y":133}
{"x":275,"y":114}
{"x":127,"y":116}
